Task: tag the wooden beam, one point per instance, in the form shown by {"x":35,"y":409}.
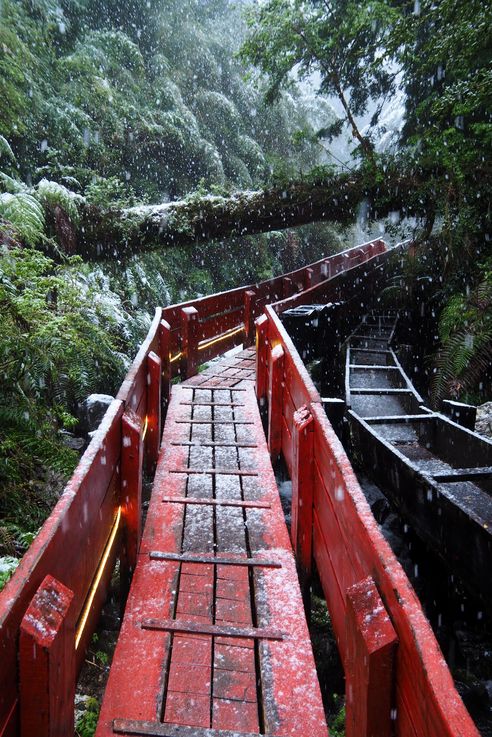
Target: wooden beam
{"x":165,"y":354}
{"x":154,"y":412}
{"x":216,"y":502}
{"x":249,"y":317}
{"x":369,"y":663}
{"x":262,"y":360}
{"x":189,"y":342}
{"x":131,"y":495}
{"x":275,"y":401}
{"x":216,"y":630}
{"x":303,"y":499}
{"x":213,"y":560}
{"x":47,"y":663}
{"x":158,"y":729}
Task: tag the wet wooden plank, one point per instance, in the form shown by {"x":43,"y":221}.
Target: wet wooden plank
{"x":157,"y":729}
{"x":215,"y":560}
{"x":216,"y":502}
{"x":176,"y":625}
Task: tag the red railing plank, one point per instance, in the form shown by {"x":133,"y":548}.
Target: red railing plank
{"x":302,"y":498}
{"x":371,"y":646}
{"x":47,"y":663}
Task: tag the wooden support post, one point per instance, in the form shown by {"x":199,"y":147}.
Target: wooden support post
{"x":165,"y":354}
{"x":153,"y":417}
{"x":303,"y":499}
{"x":369,"y":664}
{"x":47,"y":663}
{"x":249,"y":318}
{"x":287,"y":287}
{"x":275,"y":401}
{"x":131,"y":496}
{"x":189,"y":342}
{"x":308,"y":278}
{"x":262,"y":359}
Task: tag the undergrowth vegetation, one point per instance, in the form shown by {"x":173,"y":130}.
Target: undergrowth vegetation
{"x":464,"y":359}
{"x":58,"y":342}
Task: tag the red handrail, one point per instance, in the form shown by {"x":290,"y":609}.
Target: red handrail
{"x":345,"y":540}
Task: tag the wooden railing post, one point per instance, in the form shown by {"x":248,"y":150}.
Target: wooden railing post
{"x":275,"y":401}
{"x":369,"y":664}
{"x":47,"y":663}
{"x":189,"y":342}
{"x":131,"y":496}
{"x":262,"y":360}
{"x":165,"y":353}
{"x":308,"y":278}
{"x":303,"y":499}
{"x":287,"y":287}
{"x":153,"y":416}
{"x":249,"y":318}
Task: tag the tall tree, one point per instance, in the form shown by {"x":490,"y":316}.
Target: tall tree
{"x":341,"y":40}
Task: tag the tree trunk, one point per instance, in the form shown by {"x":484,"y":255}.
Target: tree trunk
{"x":114,"y":234}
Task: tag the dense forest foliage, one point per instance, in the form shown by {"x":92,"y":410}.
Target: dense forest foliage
{"x":109,"y":105}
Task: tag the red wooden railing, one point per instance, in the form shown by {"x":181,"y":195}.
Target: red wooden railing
{"x":332,"y":524}
{"x":53,"y":601}
{"x":97,"y":518}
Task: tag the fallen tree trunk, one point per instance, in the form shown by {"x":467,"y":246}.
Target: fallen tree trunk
{"x":197,"y":218}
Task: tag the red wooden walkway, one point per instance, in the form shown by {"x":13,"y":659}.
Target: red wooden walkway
{"x":214,"y":635}
{"x":214,"y":640}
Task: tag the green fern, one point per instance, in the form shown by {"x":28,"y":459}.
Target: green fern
{"x":6,"y":151}
{"x":8,"y":564}
{"x":58,"y":342}
{"x":25,"y":214}
{"x":9,"y":184}
{"x":465,"y":330}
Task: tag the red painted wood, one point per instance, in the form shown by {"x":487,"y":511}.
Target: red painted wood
{"x":308,"y":280}
{"x":47,"y":663}
{"x":302,"y":498}
{"x":165,"y":355}
{"x":249,"y":317}
{"x":80,"y":521}
{"x":189,"y":341}
{"x":131,"y":495}
{"x":261,"y":359}
{"x":275,"y":401}
{"x":133,"y":387}
{"x":219,"y":312}
{"x":221,"y":323}
{"x":227,"y":341}
{"x":371,"y":647}
{"x":287,"y":287}
{"x":427,"y":703}
{"x":153,"y":417}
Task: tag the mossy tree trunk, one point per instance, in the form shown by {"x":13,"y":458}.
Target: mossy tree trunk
{"x":114,"y":234}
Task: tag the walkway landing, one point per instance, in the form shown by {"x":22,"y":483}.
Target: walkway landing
{"x":214,"y":642}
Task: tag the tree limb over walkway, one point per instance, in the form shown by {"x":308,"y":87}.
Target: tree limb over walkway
{"x":197,"y":218}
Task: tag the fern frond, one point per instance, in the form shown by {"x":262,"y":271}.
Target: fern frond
{"x":26,"y":215}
